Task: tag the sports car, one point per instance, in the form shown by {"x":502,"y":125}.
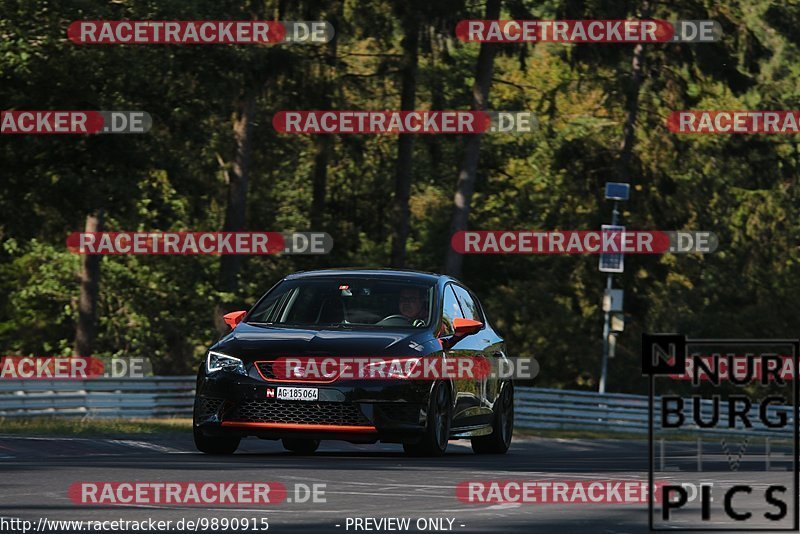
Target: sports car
{"x":258,"y":380}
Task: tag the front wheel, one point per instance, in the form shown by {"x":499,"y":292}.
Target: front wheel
{"x":437,"y":428}
{"x":215,"y":444}
{"x":499,"y":440}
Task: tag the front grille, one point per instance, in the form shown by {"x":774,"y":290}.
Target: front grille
{"x":308,"y":413}
{"x":267,"y":371}
{"x":207,"y":407}
{"x":400,"y":412}
{"x":265,"y":368}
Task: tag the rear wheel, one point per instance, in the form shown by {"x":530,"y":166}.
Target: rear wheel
{"x":300,"y":446}
{"x":215,"y":444}
{"x":499,"y":440}
{"x":437,"y":428}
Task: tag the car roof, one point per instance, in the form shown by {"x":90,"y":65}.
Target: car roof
{"x":374,"y":273}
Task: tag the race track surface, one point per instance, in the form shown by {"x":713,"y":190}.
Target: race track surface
{"x":361,"y":481}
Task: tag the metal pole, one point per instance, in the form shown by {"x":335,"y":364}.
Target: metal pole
{"x":699,"y":455}
{"x":607,"y":318}
{"x":606,"y":330}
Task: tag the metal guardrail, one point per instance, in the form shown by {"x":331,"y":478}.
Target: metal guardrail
{"x":172,"y":396}
{"x":163,"y":396}
{"x":539,"y":408}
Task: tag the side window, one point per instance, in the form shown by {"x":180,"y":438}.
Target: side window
{"x":471,"y":308}
{"x":268,"y":308}
{"x":450,"y":310}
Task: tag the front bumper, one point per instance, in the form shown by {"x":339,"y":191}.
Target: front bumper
{"x":353,"y":410}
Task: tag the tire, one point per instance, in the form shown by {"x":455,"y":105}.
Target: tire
{"x":499,"y":440}
{"x":437,"y":427}
{"x":215,"y":444}
{"x":300,"y":446}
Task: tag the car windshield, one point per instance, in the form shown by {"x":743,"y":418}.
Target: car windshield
{"x":347,"y":303}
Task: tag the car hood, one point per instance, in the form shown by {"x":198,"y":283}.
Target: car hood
{"x":251,"y":342}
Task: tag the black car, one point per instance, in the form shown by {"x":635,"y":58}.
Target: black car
{"x":357,"y":314}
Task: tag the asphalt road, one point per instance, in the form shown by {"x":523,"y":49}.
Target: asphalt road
{"x":361,"y":481}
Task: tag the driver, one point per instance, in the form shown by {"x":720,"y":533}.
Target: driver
{"x":411,"y":304}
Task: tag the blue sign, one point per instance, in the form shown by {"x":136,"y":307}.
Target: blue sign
{"x":617,"y":191}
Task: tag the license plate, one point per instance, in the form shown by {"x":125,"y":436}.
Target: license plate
{"x":301,"y":394}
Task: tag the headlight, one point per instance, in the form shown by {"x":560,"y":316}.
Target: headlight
{"x":216,"y":361}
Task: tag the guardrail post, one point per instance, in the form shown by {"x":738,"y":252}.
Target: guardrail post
{"x":699,"y":455}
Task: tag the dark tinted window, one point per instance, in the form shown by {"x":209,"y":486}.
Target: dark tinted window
{"x":450,"y":310}
{"x":469,"y":306}
{"x":270,"y":307}
{"x":347,"y":301}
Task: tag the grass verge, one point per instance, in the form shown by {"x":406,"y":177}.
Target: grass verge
{"x":669,"y":437}
{"x":70,"y":426}
{"x":576,"y":434}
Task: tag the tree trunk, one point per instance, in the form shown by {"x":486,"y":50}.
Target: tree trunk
{"x":405,"y":143}
{"x":632,"y":105}
{"x":90,"y":287}
{"x":437,"y":55}
{"x":238,"y":174}
{"x":469,"y":165}
{"x":323,"y":143}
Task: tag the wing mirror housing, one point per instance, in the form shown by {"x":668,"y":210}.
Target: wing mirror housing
{"x":234,"y":318}
{"x":465,"y":327}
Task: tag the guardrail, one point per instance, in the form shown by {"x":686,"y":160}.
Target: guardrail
{"x":163,"y":396}
{"x":539,"y":408}
{"x":172,"y":396}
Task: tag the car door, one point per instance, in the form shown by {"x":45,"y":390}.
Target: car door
{"x":481,"y":345}
{"x":466,"y":389}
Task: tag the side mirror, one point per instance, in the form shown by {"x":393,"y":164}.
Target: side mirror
{"x":465,"y":327}
{"x":234,"y":318}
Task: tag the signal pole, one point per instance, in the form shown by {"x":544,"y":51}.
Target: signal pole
{"x":611,"y":263}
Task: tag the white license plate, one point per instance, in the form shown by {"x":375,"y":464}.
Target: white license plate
{"x":301,"y":394}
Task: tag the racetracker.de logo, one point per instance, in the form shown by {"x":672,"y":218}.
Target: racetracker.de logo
{"x":403,"y":122}
{"x":381,"y":122}
{"x":564,"y":31}
{"x":581,"y":242}
{"x":175,"y":32}
{"x":588,"y":31}
{"x":72,"y":367}
{"x":199,"y":32}
{"x":177,"y":493}
{"x":74,"y":122}
{"x":199,"y":243}
{"x":552,"y":491}
{"x":734,"y":122}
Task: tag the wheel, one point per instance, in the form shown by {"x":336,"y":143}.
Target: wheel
{"x":437,"y":428}
{"x":502,"y":426}
{"x":215,"y":444}
{"x":300,"y":446}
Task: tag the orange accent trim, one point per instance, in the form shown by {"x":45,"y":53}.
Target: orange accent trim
{"x":467,"y":325}
{"x":300,"y":426}
{"x":232,"y":319}
{"x":298,"y":381}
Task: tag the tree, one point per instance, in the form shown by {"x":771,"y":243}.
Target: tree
{"x":467,"y":173}
{"x":409,"y":14}
{"x":90,"y":287}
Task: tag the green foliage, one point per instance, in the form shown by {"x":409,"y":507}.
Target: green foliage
{"x":743,"y":188}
